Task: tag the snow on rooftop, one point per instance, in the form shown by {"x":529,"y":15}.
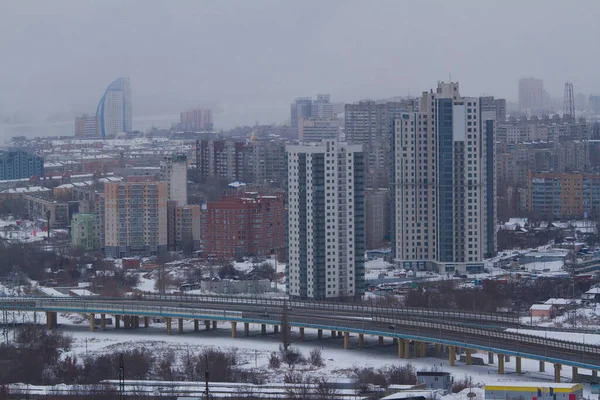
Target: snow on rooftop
{"x":51,"y":292}
{"x":541,"y":307}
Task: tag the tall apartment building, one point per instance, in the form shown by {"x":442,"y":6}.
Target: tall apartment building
{"x":221,"y":158}
{"x":114,"y":113}
{"x":86,"y":125}
{"x":135,"y":217}
{"x":265,"y":160}
{"x":377,"y":206}
{"x":316,"y":129}
{"x":444,"y":183}
{"x":19,"y":164}
{"x":183,"y":227}
{"x":370,"y":124}
{"x":305,"y":107}
{"x":594,"y":104}
{"x":489,"y":103}
{"x":245,"y":225}
{"x":567,"y":195}
{"x":322,"y":108}
{"x":531,"y":94}
{"x":173,"y":170}
{"x":326,"y":220}
{"x":197,"y":119}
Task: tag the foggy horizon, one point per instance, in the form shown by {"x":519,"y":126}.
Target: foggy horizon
{"x":247,"y":61}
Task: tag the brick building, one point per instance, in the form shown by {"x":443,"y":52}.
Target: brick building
{"x":249,"y":224}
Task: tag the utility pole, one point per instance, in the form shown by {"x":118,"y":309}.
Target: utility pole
{"x":121,"y":376}
{"x":48,"y":215}
{"x":206,"y":378}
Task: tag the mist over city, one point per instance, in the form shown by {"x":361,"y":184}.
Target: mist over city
{"x":246,"y":60}
{"x":231,"y":199}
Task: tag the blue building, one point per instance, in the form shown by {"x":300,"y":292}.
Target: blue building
{"x":19,"y":164}
{"x":114,"y":109}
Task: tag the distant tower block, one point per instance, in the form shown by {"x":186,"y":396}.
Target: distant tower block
{"x":569,"y":103}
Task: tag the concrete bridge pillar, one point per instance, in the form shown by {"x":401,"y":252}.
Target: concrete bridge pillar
{"x":117,"y":321}
{"x":400,"y":348}
{"x":103,"y":321}
{"x":233,"y":329}
{"x":381,"y":340}
{"x":246,"y":329}
{"x":518,"y":364}
{"x":214,"y":325}
{"x":301,"y":329}
{"x":320,"y":334}
{"x":146,"y":322}
{"x":168,"y":321}
{"x":333,"y":334}
{"x":207,"y":325}
{"x":361,"y":340}
{"x":490,"y":357}
{"x":542,"y":366}
{"x":501,"y":364}
{"x":406,"y":347}
{"x":180,"y":328}
{"x":437,"y":347}
{"x":263,"y":329}
{"x":346,"y":340}
{"x":275,"y":328}
{"x":51,"y":320}
{"x":196,"y":327}
{"x":137,"y":321}
{"x":452,"y":355}
{"x":557,"y":368}
{"x":126,"y":321}
{"x":416,"y":350}
{"x":92,"y":322}
{"x":575,"y":378}
{"x":423,"y":348}
{"x":468,"y":357}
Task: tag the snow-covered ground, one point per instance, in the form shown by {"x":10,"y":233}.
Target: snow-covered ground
{"x":253,"y":352}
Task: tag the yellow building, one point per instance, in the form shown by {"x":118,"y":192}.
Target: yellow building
{"x":540,"y":390}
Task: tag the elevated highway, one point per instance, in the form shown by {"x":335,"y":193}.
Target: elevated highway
{"x":412,"y":331}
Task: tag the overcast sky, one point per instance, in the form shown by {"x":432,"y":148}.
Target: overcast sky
{"x":251,"y":58}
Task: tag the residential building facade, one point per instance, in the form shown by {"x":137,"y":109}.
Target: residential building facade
{"x":86,"y":125}
{"x":444,"y":184}
{"x":377,"y":210}
{"x":135,"y":217}
{"x":173,"y":170}
{"x":196,"y":120}
{"x":326,"y":220}
{"x":566,"y":195}
{"x":19,"y":164}
{"x":249,"y":224}
{"x":84,"y":231}
{"x":317,"y":129}
{"x":221,"y":159}
{"x":531,"y":94}
{"x":370,"y":124}
{"x":183,"y":227}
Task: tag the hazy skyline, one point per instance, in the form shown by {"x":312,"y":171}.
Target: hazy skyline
{"x":249,"y":59}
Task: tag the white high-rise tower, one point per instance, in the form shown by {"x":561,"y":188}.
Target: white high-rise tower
{"x":326,"y":220}
{"x":444,"y":183}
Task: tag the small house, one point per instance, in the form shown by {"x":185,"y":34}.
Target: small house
{"x":543,"y":310}
{"x":435,"y":380}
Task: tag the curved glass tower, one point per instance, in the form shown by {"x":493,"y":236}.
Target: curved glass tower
{"x":114,"y":109}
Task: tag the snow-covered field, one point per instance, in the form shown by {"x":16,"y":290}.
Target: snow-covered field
{"x":253,"y":352}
